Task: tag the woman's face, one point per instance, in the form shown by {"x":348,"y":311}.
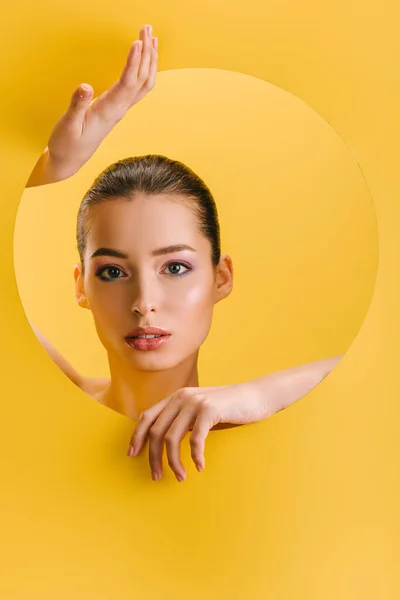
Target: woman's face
{"x":139,"y":274}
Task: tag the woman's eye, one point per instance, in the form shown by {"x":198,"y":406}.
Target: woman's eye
{"x":177,"y":268}
{"x":110,"y":273}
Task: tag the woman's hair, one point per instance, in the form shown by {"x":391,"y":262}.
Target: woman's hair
{"x":149,"y":175}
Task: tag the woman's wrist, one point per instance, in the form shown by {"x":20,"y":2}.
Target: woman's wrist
{"x":47,"y":170}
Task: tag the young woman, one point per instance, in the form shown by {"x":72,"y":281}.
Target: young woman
{"x":151,"y":272}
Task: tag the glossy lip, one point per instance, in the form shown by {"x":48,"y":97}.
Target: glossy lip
{"x":145,"y":344}
{"x":147,"y":331}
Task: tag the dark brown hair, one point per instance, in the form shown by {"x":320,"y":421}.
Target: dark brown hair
{"x":149,"y":175}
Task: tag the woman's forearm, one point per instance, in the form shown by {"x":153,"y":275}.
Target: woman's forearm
{"x":39,"y":173}
{"x":45,"y":171}
{"x":285,"y":387}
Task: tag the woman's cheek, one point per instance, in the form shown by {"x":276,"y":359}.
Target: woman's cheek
{"x":196,"y":304}
{"x":195,"y":293}
{"x":106,"y":303}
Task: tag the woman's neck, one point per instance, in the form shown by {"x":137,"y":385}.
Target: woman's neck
{"x":131,"y":392}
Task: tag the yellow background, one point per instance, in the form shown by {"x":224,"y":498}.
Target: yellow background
{"x":295,"y":213}
{"x":303,"y":505}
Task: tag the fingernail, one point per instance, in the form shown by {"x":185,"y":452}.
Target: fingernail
{"x":149,"y":29}
{"x":155,"y":476}
{"x":131,"y":450}
{"x":199,"y":467}
{"x":84,"y":90}
{"x":155,"y":43}
{"x":180,"y":477}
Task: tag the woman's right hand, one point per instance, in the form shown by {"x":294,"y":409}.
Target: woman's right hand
{"x":85,"y":124}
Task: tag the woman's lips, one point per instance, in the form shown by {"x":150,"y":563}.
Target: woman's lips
{"x":147,"y":343}
{"x":149,"y":330}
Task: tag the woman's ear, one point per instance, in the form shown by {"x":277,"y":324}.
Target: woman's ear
{"x":223,"y":278}
{"x":79,"y":287}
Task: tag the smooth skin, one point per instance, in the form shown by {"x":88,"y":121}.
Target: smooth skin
{"x":164,"y":278}
{"x":73,"y":141}
{"x":85,"y":124}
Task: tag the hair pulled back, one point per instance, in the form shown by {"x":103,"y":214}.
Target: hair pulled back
{"x":150,"y":175}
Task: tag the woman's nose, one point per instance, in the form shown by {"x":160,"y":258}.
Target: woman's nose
{"x":142,"y":308}
{"x":144,"y":300}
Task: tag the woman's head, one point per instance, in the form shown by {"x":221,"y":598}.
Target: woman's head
{"x":149,"y":244}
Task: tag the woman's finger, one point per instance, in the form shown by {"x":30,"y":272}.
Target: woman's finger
{"x":174,"y":437}
{"x":144,"y":67}
{"x":204,"y":422}
{"x":129,"y":76}
{"x":156,"y":434}
{"x":80,"y":101}
{"x":151,"y":81}
{"x":146,"y":420}
{"x":114,"y":102}
{"x":137,"y":78}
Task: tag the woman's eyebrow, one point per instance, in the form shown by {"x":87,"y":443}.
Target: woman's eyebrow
{"x":157,"y":252}
{"x":174,"y":248}
{"x":109,"y":252}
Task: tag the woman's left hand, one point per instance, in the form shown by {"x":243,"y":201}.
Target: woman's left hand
{"x":198,"y":409}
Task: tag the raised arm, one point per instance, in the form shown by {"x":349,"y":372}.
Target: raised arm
{"x":85,"y":124}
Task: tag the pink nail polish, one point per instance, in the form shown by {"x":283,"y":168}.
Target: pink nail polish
{"x":131,"y":450}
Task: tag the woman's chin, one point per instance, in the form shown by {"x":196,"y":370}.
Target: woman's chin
{"x":151,"y":367}
{"x":151,"y":362}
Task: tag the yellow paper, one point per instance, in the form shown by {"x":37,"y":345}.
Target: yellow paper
{"x":303,"y":505}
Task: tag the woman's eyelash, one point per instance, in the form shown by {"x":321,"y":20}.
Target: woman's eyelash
{"x":100,"y":272}
{"x":181,"y":264}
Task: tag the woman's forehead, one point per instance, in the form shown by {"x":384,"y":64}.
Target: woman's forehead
{"x":151,"y":211}
{"x":144,"y":222}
